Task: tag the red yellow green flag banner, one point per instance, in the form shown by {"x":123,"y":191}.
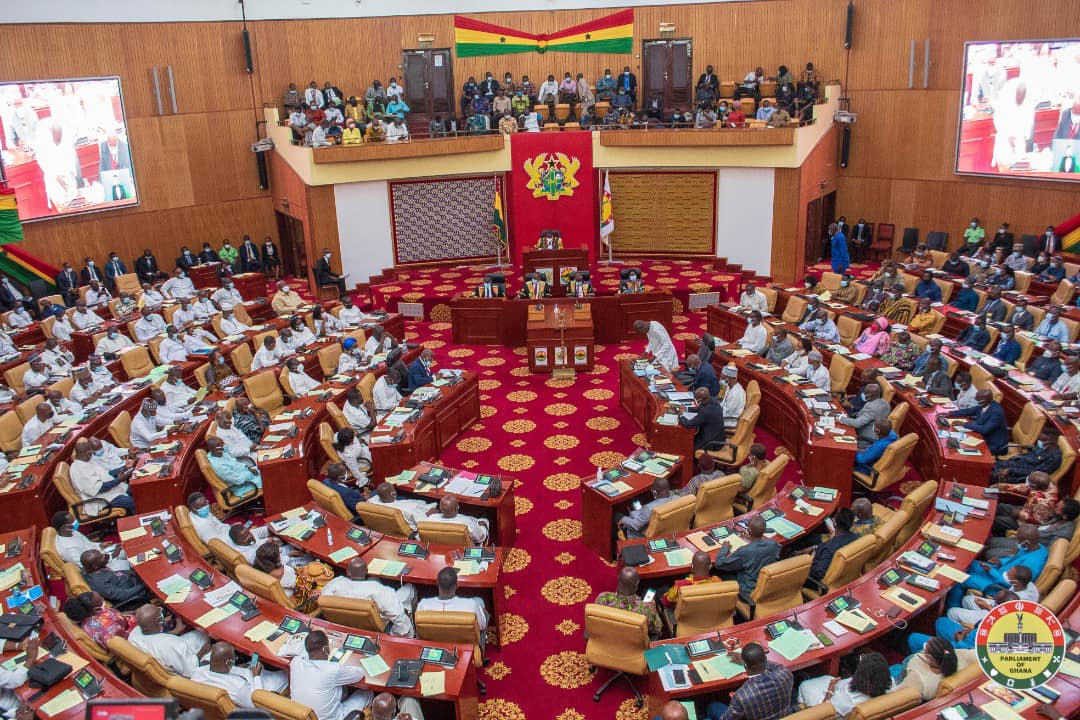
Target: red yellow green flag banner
{"x":611,"y":34}
{"x":10,"y":226}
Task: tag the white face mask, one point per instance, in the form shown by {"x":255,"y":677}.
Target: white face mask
{"x":285,"y":288}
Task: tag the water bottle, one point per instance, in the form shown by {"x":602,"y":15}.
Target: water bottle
{"x":599,"y":474}
{"x":329,"y":536}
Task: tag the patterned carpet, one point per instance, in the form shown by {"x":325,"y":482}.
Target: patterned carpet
{"x":860,"y":271}
{"x":547,"y":434}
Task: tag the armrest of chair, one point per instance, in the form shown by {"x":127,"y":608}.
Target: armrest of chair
{"x":94,"y":508}
{"x":815,"y":585}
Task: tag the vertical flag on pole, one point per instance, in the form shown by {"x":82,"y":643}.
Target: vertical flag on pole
{"x":607,"y":218}
{"x":10,"y":225}
{"x":498,"y":219}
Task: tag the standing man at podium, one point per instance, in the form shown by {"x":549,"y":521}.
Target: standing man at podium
{"x":579,"y":286}
{"x":660,"y":345}
{"x":549,"y":240}
{"x":535,"y":288}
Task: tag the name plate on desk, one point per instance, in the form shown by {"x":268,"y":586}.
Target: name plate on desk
{"x":411,"y":310}
{"x":700,"y":301}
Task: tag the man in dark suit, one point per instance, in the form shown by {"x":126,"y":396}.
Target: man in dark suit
{"x":842,"y":226}
{"x":1069,"y":126}
{"x":489,"y":86}
{"x":67,"y":283}
{"x":1049,"y":243}
{"x":90,"y":271}
{"x":628,"y":82}
{"x":113,"y":268}
{"x":994,"y":309}
{"x":708,"y":420}
{"x":987,"y":419}
{"x":146,"y":267}
{"x":249,"y":256}
{"x":114,"y":153}
{"x":704,"y":375}
{"x":419,"y":374}
{"x":489,"y":289}
{"x":860,"y":236}
{"x":208,"y":254}
{"x":709,"y":80}
{"x":975,"y":336}
{"x":186,"y":259}
{"x":9,"y":294}
{"x":324,"y":274}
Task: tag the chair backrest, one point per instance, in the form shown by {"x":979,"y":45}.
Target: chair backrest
{"x":154,"y":346}
{"x":384,"y":519}
{"x":353,"y":612}
{"x":226,"y":555}
{"x":946,"y":288}
{"x":13,"y":378}
{"x":983,"y":380}
{"x":890,"y":466}
{"x":886,"y":706}
{"x":779,"y":585}
{"x":1060,"y":595}
{"x":11,"y":426}
{"x":824,"y":711}
{"x":770,"y":297}
{"x":444,"y":533}
{"x":28,"y":407}
{"x":840,"y":371}
{"x":120,"y":429}
{"x":794,"y":311}
{"x":74,"y":582}
{"x":62,"y":481}
{"x":764,"y":488}
{"x":280,"y":707}
{"x":1026,"y":429}
{"x":450,"y":627}
{"x":830,"y":280}
{"x":326,"y":442}
{"x":337,"y":416}
{"x":264,"y":585}
{"x":1055,"y":563}
{"x":258,"y":338}
{"x":263,"y":391}
{"x":213,"y":701}
{"x":915,"y":505}
{"x":849,"y":329}
{"x":617,"y":639}
{"x":1063,"y":294}
{"x":366,"y":386}
{"x":753,"y":394}
{"x":898,"y":414}
{"x":847,"y":563}
{"x":743,"y":437}
{"x":49,"y":554}
{"x":706,"y":607}
{"x":136,"y":361}
{"x":128,"y":282}
{"x":887,"y":534}
{"x":187,"y":530}
{"x":283,"y":381}
{"x":1073,"y":551}
{"x":329,"y":500}
{"x":1068,"y":457}
{"x":64,"y":386}
{"x":672,"y":517}
{"x":240,"y":358}
{"x":951,"y":683}
{"x":147,"y":674}
{"x":328,"y":358}
{"x":713,"y":501}
{"x":86,"y":644}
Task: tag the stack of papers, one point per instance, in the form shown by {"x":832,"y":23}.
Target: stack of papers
{"x":718,"y":667}
{"x":216,"y":615}
{"x":402,"y":478}
{"x":784,"y":527}
{"x":173,"y":584}
{"x":679,"y":557}
{"x":389,"y":568}
{"x":793,"y":643}
{"x":432,"y":683}
{"x":222,"y":594}
{"x":261,"y":631}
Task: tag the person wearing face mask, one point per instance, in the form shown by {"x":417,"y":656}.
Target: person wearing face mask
{"x":91,"y":479}
{"x":954,"y":266}
{"x":286,"y":301}
{"x":145,"y":430}
{"x":1052,"y":328}
{"x":987,"y":418}
{"x":928,"y":288}
{"x":1054,"y":272}
{"x":113,"y":342}
{"x":208,"y":527}
{"x":605,"y":87}
{"x":549,"y":94}
{"x":838,"y":247}
{"x":238,"y":682}
{"x":1040,"y":499}
{"x":412,"y":509}
{"x":1017,"y":261}
{"x":1042,"y":457}
{"x":975,"y":336}
{"x":627,"y":82}
{"x":1003,"y":239}
{"x":1047,"y":366}
{"x":631,"y":282}
{"x":229,"y":255}
{"x":973,"y":235}
{"x":324,"y":274}
{"x":812,"y":285}
{"x":420,"y":370}
{"x":848,"y":292}
{"x":1040,"y":265}
{"x":208,"y":254}
{"x":519,"y":104}
{"x":734,"y":401}
{"x":875,"y":296}
{"x":1008,"y":349}
{"x":584,"y":91}
{"x":896,"y":307}
{"x":71,"y":544}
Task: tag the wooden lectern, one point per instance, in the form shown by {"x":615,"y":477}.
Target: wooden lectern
{"x":560,"y":338}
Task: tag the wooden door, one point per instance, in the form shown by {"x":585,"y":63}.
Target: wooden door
{"x":291,"y":246}
{"x":429,"y":82}
{"x":667,"y":71}
{"x":816,"y":247}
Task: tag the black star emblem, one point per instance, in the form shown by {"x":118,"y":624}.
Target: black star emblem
{"x":502,"y":39}
{"x":588,"y":36}
{"x":552,"y":163}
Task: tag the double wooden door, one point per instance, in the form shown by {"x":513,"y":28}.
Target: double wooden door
{"x":667,"y":69}
{"x":429,"y":81}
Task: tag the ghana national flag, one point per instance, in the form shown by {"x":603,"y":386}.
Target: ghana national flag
{"x":498,"y":221}
{"x":611,"y":34}
{"x":10,"y":225}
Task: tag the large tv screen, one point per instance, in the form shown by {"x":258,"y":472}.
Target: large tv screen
{"x":64,"y":147}
{"x":1020,"y":110}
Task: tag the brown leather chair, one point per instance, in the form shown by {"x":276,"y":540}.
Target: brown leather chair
{"x":264,"y":585}
{"x":89,"y":512}
{"x":353,"y":612}
{"x":849,"y":329}
{"x":672,"y":517}
{"x":280,"y":707}
{"x":148,"y":676}
{"x":1026,"y":429}
{"x":11,"y":426}
{"x":128,"y":283}
{"x":753,"y":394}
{"x":384,"y":519}
{"x":1063,"y":295}
{"x":460,"y":628}
{"x":229,"y":499}
{"x":888,"y":537}
{"x":337,"y":416}
{"x":200,"y":375}
{"x":824,"y":711}
{"x":705,"y":607}
{"x":1068,"y":457}
{"x":214,"y":702}
{"x":1056,"y":600}
{"x":263,"y":391}
{"x":28,"y":408}
{"x":329,"y":500}
{"x":888,"y":705}
{"x":898,"y":414}
{"x":283,"y":381}
{"x":225,"y":556}
{"x":890,"y":467}
{"x":840,"y":372}
{"x":13,"y":378}
{"x":733,"y":452}
{"x":120,"y":429}
{"x":443,"y":533}
{"x":617,"y":640}
{"x":328,"y":358}
{"x":240,"y":358}
{"x":187,"y":530}
{"x":778,"y":589}
{"x":1055,"y":564}
{"x":764,"y":488}
{"x":136,"y":361}
{"x":713,"y":504}
{"x":74,"y":582}
{"x":951,"y":683}
{"x":49,"y":554}
{"x":796,"y":308}
{"x":915,"y":505}
{"x":366,"y":387}
{"x":845,"y":568}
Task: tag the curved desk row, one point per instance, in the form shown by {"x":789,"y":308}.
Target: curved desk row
{"x":460,"y":690}
{"x":647,"y":407}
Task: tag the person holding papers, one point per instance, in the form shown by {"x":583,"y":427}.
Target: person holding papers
{"x":412,"y":510}
{"x":744,"y":563}
{"x":352,"y":357}
{"x":751,"y":299}
{"x":823,"y":327}
{"x":815,"y":372}
{"x":448,"y":601}
{"x":394,"y":604}
{"x":755,"y":337}
{"x":884,"y":436}
{"x":355,"y":454}
{"x":987,"y":418}
{"x":707,"y":419}
{"x":871,"y":679}
{"x":659,"y":345}
{"x":235,"y":681}
{"x":228,"y":468}
{"x":703,"y":375}
{"x":988,"y":576}
{"x":300,"y":382}
{"x":180,"y":650}
{"x":478,"y":527}
{"x":874,"y":409}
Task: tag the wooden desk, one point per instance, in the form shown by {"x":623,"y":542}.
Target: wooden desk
{"x":204,"y":275}
{"x":560,"y":334}
{"x":812,"y":615}
{"x":251,"y":285}
{"x":460,"y":696}
{"x":555,"y":264}
{"x":598,"y":510}
{"x":646,"y":408}
{"x":112,"y":687}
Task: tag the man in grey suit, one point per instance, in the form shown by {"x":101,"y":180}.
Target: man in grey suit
{"x":634,"y":524}
{"x":873,"y":410}
{"x":114,"y":153}
{"x":746,"y":562}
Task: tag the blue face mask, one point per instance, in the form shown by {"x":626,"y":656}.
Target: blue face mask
{"x":75,"y":524}
{"x":203,"y":512}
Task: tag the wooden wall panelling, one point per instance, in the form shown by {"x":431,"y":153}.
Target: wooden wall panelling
{"x":322,"y":211}
{"x":788,"y":254}
{"x":649,"y":221}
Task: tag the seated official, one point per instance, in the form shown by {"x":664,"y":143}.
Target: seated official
{"x":870,"y":679}
{"x":966,"y":298}
{"x":178,"y":393}
{"x":149,"y":326}
{"x":63,"y":408}
{"x":987,"y":418}
{"x":813,"y":285}
{"x":62,"y":330}
{"x":412,"y":510}
{"x":325,"y":323}
{"x":866,"y":522}
{"x":287,"y":343}
{"x":1040,"y":497}
{"x":232,"y":325}
{"x":744,"y":564}
{"x":659,"y":345}
{"x":1067,"y":384}
{"x":202,"y":306}
{"x":875,"y":339}
{"x":873,"y":409}
{"x":316,"y":682}
{"x":751,"y":299}
{"x":1007,"y":349}
{"x":1060,"y":525}
{"x":994,"y":309}
{"x":779,"y":347}
{"x":449,"y":513}
{"x":813,"y":305}
{"x":924,"y":317}
{"x":755,"y":337}
{"x":58,"y":360}
{"x":118,"y":587}
{"x":300,"y":382}
{"x":884,"y":436}
{"x":964,"y":390}
{"x":83,"y":318}
{"x":83,"y":391}
{"x":823,"y":552}
{"x":633,"y":524}
{"x":751,"y":468}
{"x":902,"y":353}
{"x":268,"y":356}
{"x":71,"y":544}
{"x":43,"y":421}
{"x":238,"y":682}
{"x":579,"y":286}
{"x":227,"y":297}
{"x":359,"y":414}
{"x":847,"y":293}
{"x":490,"y":289}
{"x":924,"y":670}
{"x":700,"y":573}
{"x":385,"y":392}
{"x":875,"y":296}
{"x":420,"y":370}
{"x":927,"y":288}
{"x":171,"y":349}
{"x":1047,"y":366}
{"x":395,"y":605}
{"x":355,"y":454}
{"x":237,"y":444}
{"x":936,"y":378}
{"x":97,"y":619}
{"x":989,"y":576}
{"x":337,"y":479}
{"x":707,"y":471}
{"x":1044,"y":456}
{"x":178,"y":286}
{"x":626,"y":597}
{"x":955,"y":266}
{"x":286,"y":301}
{"x":632,"y":283}
{"x":379,"y":341}
{"x":36,"y":377}
{"x":151,"y":297}
{"x":1022,"y":319}
{"x":701,"y":375}
{"x":895,"y":306}
{"x":353,"y":358}
{"x":268,"y":558}
{"x":184,"y":314}
{"x":91,"y":480}
{"x":549,"y":240}
{"x":1052,"y":328}
{"x":815,"y":372}
{"x":707,"y":419}
{"x":1055,"y":272}
{"x":765,"y":695}
{"x":301,"y":333}
{"x":228,"y":468}
{"x":535,"y":288}
{"x":449,"y":601}
{"x":734,"y":396}
{"x":348,"y":313}
{"x":933,"y":350}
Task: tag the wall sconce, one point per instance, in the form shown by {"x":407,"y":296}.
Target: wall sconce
{"x":424,"y":40}
{"x":667,"y":30}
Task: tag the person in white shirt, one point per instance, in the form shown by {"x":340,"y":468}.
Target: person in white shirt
{"x":301,"y":333}
{"x":103,"y":379}
{"x":151,"y":297}
{"x":734,"y":397}
{"x":195,"y":339}
{"x":97,"y":295}
{"x":168,"y":413}
{"x":751,"y":299}
{"x":238,"y":682}
{"x":113,"y":342}
{"x":548,"y":92}
{"x":236,"y":442}
{"x":71,"y":544}
{"x":324,"y":322}
{"x":1067,"y":384}
{"x":448,"y":513}
{"x":354,"y":453}
{"x":208,"y":527}
{"x":394,"y":604}
{"x":318,"y":683}
{"x":108,"y":455}
{"x":313,"y":96}
{"x":268,"y":355}
{"x":83,"y":318}
{"x":448,"y":600}
{"x":202,"y":307}
{"x":19,"y":318}
{"x":176,"y":391}
{"x":965,"y":390}
{"x":178,"y":286}
{"x":227,"y":296}
{"x":179,"y":651}
{"x":149,"y":325}
{"x":171,"y":350}
{"x":871,"y":679}
{"x":58,"y":360}
{"x":145,"y":430}
{"x":349,"y":313}
{"x":83,"y":391}
{"x":412,"y":510}
{"x":62,"y":406}
{"x":357,"y":413}
{"x":379,"y":342}
{"x":397,"y":131}
{"x":816,"y":372}
{"x":43,"y":421}
{"x":300,"y":382}
{"x":36,"y":376}
{"x":91,"y":480}
{"x":62,"y":329}
{"x":755,"y":337}
{"x":286,"y":343}
{"x":394,"y":91}
{"x":352,"y":359}
{"x":184,"y":314}
{"x":385,"y":392}
{"x":660,"y":345}
{"x":318,"y":135}
{"x":231,"y":325}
